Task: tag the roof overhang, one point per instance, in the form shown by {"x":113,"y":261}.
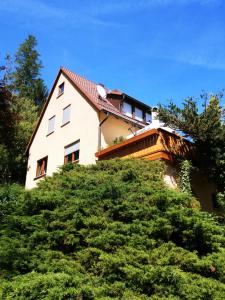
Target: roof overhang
{"x":147,"y":107}
{"x":127,"y":120}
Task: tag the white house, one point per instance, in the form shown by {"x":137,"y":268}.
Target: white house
{"x":79,"y":118}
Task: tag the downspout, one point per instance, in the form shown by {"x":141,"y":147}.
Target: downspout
{"x":100,"y":132}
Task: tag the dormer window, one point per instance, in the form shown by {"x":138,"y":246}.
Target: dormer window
{"x":127,"y":109}
{"x":61,"y":89}
{"x":138,"y":114}
{"x":148,"y":118}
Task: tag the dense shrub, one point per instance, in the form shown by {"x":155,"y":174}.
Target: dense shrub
{"x":109,"y":231}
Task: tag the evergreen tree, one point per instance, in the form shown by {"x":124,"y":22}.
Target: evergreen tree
{"x":7,"y":119}
{"x":26,"y":112}
{"x":206,"y":128}
{"x":6,"y":133}
{"x":27,"y":81}
{"x":17,"y":119}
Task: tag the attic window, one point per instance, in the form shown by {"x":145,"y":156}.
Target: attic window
{"x":61,"y":89}
{"x":148,"y":118}
{"x":138,"y":114}
{"x":127,"y":109}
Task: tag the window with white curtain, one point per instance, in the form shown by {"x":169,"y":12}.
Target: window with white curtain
{"x":51,"y":125}
{"x":72,"y":152}
{"x":127,"y":109}
{"x":66,"y":115}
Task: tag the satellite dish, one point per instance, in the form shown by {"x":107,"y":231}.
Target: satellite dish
{"x":101,"y":91}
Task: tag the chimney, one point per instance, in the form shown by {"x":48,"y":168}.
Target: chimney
{"x":155,"y":120}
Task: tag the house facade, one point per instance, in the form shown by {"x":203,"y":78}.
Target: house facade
{"x":82,"y":120}
{"x":79,"y":119}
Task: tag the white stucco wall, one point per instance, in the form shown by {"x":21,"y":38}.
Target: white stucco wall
{"x":114,"y":128}
{"x":83,"y":126}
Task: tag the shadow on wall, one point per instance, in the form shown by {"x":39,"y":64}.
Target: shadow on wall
{"x":204,"y":191}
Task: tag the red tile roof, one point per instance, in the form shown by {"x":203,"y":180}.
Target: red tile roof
{"x":89,"y":89}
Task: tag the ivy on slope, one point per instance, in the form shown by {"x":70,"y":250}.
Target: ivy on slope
{"x":108,"y":231}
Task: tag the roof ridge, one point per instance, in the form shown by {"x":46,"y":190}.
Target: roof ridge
{"x":76,"y":74}
{"x":91,"y":94}
{"x":89,"y":88}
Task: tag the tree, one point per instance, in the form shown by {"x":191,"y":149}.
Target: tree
{"x":7,"y":120}
{"x":206,"y":128}
{"x":27,"y":82}
{"x":22,"y":94}
{"x":26,"y":113}
{"x":17,"y":119}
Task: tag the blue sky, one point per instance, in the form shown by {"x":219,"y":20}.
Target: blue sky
{"x":154,"y":50}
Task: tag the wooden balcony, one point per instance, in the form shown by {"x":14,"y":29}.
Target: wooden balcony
{"x":152,"y":145}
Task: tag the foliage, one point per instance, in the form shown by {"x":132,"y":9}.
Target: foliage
{"x":108,"y":231}
{"x":185,"y":176}
{"x":19,"y":111}
{"x":26,"y":113}
{"x":7,"y":121}
{"x":118,"y":140}
{"x":18,"y":119}
{"x":206,"y":128}
{"x":220,"y":200}
{"x":26,"y":81}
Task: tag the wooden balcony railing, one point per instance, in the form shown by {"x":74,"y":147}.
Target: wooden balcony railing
{"x":153,"y":144}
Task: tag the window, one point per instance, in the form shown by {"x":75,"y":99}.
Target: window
{"x":127,"y":109}
{"x":148,"y":118}
{"x":138,"y":114}
{"x":72,"y":152}
{"x":66,"y":115}
{"x":61,"y":89}
{"x":41,"y":167}
{"x":51,"y":125}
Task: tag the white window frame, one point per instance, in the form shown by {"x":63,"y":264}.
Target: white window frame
{"x":138,"y":111}
{"x":51,"y":125}
{"x":61,"y":88}
{"x":66,"y":115}
{"x":147,"y":119}
{"x":127,"y":109}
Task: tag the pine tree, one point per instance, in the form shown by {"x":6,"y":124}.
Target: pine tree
{"x":206,"y":128}
{"x":27,"y":81}
{"x":17,"y":119}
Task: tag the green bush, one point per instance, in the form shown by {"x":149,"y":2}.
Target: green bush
{"x":108,"y":231}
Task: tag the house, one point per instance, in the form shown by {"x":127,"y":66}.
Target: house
{"x":80,"y":118}
{"x":84,"y":122}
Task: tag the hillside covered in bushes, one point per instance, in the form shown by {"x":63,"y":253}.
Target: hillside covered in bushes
{"x":108,"y":231}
